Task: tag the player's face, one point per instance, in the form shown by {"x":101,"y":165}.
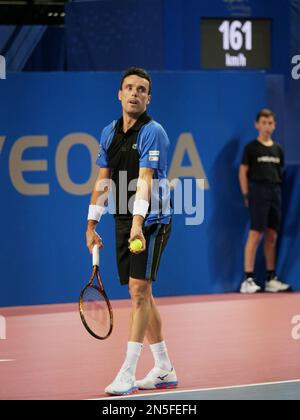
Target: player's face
{"x":134,"y":95}
{"x":266,"y":126}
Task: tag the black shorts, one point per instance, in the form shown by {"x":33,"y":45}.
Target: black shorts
{"x":265,"y":206}
{"x":144,"y":265}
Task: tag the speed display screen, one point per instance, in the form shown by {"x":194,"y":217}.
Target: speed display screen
{"x":235,"y":43}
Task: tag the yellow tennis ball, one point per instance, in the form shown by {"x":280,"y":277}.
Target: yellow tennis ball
{"x":136,"y":245}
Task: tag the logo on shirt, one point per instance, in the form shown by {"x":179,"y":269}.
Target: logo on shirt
{"x":153,"y":155}
{"x":268,"y":159}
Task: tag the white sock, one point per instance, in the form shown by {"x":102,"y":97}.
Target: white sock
{"x":132,"y":356}
{"x":160,"y":354}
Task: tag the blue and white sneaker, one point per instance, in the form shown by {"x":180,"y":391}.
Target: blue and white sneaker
{"x":158,"y":378}
{"x":123,"y":384}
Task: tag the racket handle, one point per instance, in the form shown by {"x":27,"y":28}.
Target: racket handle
{"x":96,"y":255}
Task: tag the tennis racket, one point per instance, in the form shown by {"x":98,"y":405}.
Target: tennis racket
{"x":94,"y":306}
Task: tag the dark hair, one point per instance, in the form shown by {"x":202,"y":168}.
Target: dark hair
{"x":136,"y":72}
{"x":265,"y":113}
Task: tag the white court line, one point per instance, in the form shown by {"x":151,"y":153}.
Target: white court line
{"x":197,"y":390}
{"x":7,"y":360}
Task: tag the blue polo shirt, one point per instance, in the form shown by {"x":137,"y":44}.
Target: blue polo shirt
{"x":145,"y":145}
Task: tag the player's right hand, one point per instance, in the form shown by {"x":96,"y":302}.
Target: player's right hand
{"x":92,"y":239}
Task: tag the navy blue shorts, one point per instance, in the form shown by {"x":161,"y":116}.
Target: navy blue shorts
{"x":265,"y":206}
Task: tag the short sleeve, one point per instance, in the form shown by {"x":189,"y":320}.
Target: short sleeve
{"x":102,"y":160}
{"x":153,"y":147}
{"x":246,"y":156}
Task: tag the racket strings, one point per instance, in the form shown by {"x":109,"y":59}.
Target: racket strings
{"x":96,"y":312}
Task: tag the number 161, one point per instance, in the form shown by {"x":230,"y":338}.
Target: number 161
{"x":234,"y":34}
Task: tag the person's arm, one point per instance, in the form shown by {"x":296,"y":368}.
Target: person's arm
{"x":153,"y":156}
{"x":97,"y":205}
{"x":141,"y":204}
{"x":244,"y":183}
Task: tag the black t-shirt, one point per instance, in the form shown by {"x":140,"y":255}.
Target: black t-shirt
{"x":265,"y":162}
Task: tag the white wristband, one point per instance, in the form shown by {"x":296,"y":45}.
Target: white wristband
{"x":95,"y":212}
{"x":140,"y":207}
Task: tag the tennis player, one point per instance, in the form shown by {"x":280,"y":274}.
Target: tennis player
{"x":260,"y":180}
{"x":133,"y":150}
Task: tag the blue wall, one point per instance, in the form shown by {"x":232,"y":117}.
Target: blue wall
{"x":113,"y":35}
{"x":160,"y":34}
{"x":157,"y":34}
{"x":292,"y":101}
{"x":182,"y":28}
{"x":43,"y":256}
